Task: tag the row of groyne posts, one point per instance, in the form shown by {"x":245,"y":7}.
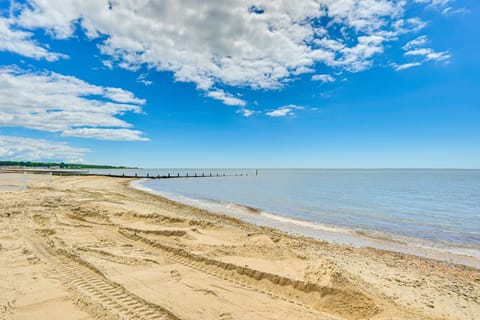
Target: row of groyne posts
{"x":123,"y":175}
{"x":172,"y":176}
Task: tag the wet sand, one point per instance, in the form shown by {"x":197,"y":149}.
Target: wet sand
{"x":93,"y":248}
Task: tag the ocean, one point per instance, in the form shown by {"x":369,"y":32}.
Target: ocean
{"x":421,"y":211}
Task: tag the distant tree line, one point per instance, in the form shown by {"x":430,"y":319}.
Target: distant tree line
{"x":61,"y":165}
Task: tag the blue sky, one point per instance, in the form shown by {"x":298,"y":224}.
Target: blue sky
{"x":307,"y":84}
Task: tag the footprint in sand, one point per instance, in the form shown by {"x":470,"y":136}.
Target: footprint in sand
{"x":206,"y":291}
{"x":226,"y":316}
{"x":176,"y":275}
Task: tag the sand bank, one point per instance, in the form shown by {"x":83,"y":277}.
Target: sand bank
{"x":93,"y":248}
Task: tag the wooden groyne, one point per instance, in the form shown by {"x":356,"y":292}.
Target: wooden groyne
{"x":66,"y":172}
{"x":170,"y":176}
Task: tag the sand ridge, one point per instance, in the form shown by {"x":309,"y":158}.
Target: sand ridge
{"x":111,"y":252}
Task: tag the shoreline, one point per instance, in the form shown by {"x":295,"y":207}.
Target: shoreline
{"x":340,"y":235}
{"x":100,"y":249}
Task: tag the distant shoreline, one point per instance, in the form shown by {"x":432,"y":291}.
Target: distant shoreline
{"x":56,"y":165}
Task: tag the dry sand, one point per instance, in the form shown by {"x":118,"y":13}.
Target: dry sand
{"x":93,"y":248}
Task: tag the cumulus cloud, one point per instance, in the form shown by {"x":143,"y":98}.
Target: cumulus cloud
{"x":323,"y":78}
{"x":54,"y":102}
{"x":19,"y":148}
{"x":284,"y":111}
{"x":21,"y":42}
{"x":232,"y":43}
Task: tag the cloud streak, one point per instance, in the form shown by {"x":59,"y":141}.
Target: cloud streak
{"x":429,"y":54}
{"x":445,"y":6}
{"x":226,"y":98}
{"x":284,"y":111}
{"x":417,"y":50}
{"x":407,"y":66}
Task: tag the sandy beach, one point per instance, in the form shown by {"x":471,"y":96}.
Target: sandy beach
{"x":94,"y":248}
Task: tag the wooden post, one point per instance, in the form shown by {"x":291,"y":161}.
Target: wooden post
{"x":24,"y":180}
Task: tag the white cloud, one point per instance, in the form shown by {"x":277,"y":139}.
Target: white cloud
{"x":359,"y":57}
{"x":19,"y":148}
{"x":284,"y":111}
{"x":406,"y":66}
{"x":120,"y":95}
{"x":445,"y":6}
{"x":226,"y":98}
{"x":434,"y":3}
{"x":54,"y":102}
{"x":409,"y":25}
{"x":142,"y":78}
{"x":415,"y":43}
{"x":246,"y":112}
{"x":227,"y":43}
{"x":107,"y":64}
{"x":416,"y":49}
{"x":429,"y":54}
{"x":105,"y":134}
{"x":323,"y":78}
{"x":21,"y":42}
{"x":451,"y":11}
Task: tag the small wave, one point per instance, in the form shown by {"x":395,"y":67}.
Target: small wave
{"x":307,"y":224}
{"x":377,"y":235}
{"x":241,"y":207}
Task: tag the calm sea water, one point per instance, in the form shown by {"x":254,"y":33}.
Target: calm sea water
{"x":438,"y":207}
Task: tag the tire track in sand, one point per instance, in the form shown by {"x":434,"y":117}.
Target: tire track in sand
{"x":99,"y":296}
{"x":309,"y":296}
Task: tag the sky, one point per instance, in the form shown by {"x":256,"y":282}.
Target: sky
{"x":244,"y":84}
